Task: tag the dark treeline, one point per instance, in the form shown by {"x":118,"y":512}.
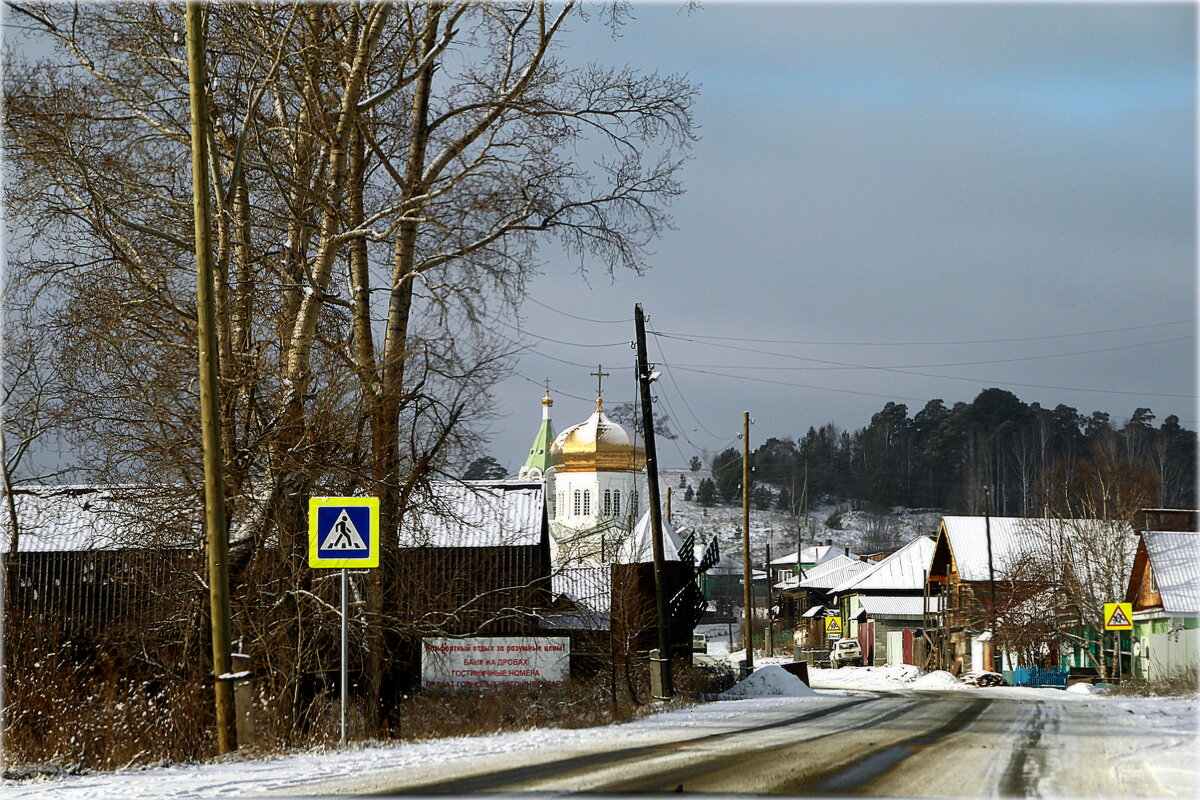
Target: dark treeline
{"x":942,"y":457}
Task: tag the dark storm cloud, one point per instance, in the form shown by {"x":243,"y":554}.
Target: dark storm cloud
{"x":914,"y":173}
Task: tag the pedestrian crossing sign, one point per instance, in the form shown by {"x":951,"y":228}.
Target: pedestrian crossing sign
{"x":343,"y":532}
{"x":833,"y":626}
{"x":1118,"y":616}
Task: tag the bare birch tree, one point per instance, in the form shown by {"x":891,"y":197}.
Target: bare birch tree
{"x":383,"y":178}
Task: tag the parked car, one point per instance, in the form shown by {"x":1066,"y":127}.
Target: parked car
{"x":845,"y":651}
{"x":699,"y":643}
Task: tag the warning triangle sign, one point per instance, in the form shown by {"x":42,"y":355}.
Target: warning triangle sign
{"x":1118,"y":619}
{"x":833,"y":625}
{"x":343,"y":535}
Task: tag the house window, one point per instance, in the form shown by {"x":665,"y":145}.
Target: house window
{"x":578,"y":502}
{"x":616,"y":510}
{"x":587,"y":502}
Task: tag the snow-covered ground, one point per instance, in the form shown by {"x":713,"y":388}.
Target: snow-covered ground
{"x":1160,"y":733}
{"x":778,"y":528}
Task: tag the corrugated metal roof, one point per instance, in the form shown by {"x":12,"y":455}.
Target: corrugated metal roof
{"x":890,"y":605}
{"x":903,"y":569}
{"x":1175,"y":563}
{"x":57,"y":519}
{"x":828,"y":574}
{"x":586,"y":586}
{"x":478,"y":514}
{"x":1013,"y":536}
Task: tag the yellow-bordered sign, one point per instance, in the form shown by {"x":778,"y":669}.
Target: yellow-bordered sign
{"x":343,"y":532}
{"x":833,"y":626}
{"x":1118,"y":616}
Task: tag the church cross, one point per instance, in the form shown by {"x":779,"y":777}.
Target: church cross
{"x":599,"y":375}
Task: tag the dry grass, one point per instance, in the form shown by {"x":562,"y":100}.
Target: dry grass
{"x":67,"y":715}
{"x":1181,"y":684}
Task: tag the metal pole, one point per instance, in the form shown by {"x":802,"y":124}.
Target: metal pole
{"x":747,"y":576}
{"x":660,"y":581}
{"x":210,"y":424}
{"x":345,"y":637}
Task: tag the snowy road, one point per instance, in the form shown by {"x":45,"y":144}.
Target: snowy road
{"x":917,"y":744}
{"x":898,"y":735}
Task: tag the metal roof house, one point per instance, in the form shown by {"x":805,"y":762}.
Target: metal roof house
{"x":84,"y":558}
{"x":887,"y":598}
{"x":1164,"y":588}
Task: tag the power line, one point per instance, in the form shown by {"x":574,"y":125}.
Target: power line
{"x":943,"y":377}
{"x":927,"y":344}
{"x":682,"y":396}
{"x":627,"y":321}
{"x":834,"y":365}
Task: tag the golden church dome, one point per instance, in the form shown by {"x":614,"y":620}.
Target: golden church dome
{"x":596,"y":445}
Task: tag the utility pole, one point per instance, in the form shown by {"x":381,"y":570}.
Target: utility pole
{"x":747,"y":574}
{"x":987,"y":529}
{"x":210,"y":424}
{"x":660,"y":583}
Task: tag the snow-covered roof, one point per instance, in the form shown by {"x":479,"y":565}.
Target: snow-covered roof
{"x":904,"y":569}
{"x":827,"y":574}
{"x":1175,"y":563}
{"x":1013,"y":536}
{"x":59,"y":519}
{"x":811,"y":555}
{"x":478,"y":514}
{"x":638,"y":547}
{"x":817,"y":610}
{"x":890,"y":605}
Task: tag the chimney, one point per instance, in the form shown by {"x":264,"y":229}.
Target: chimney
{"x":847,"y":551}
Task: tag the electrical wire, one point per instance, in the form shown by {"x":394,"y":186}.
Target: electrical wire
{"x":627,"y":321}
{"x":850,"y":365}
{"x":933,"y":344}
{"x":943,"y":377}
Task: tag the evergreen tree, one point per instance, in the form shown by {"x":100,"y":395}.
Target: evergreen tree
{"x":706,"y":495}
{"x":485,"y":468}
{"x":695,"y":464}
{"x":727,"y":474}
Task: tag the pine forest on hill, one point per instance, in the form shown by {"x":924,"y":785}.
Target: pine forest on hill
{"x":1029,"y":458}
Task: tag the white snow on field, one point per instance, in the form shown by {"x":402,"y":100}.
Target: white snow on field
{"x":769,"y":681}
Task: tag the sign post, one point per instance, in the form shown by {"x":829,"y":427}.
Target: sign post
{"x":343,"y":533}
{"x":1118,"y":617}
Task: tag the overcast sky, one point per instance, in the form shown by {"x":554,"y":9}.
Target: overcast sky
{"x":948,"y":184}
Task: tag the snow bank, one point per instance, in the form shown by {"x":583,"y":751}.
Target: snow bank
{"x":769,"y":681}
{"x":1084,"y":688}
{"x":938,"y":679}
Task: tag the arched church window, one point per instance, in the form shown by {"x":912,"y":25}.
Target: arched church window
{"x":616,"y":507}
{"x":587,"y":502}
{"x":633,"y":504}
{"x":578,"y":502}
{"x":607,"y":502}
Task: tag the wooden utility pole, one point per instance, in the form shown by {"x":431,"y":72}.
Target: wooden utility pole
{"x":210,"y":424}
{"x":987,"y":530}
{"x":747,"y":573}
{"x":660,"y":583}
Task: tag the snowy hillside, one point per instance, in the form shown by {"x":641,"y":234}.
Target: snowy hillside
{"x":860,"y":531}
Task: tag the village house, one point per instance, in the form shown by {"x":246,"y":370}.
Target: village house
{"x":1164,"y":588}
{"x":1050,"y":575}
{"x":885,"y":606}
{"x":806,"y":602}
